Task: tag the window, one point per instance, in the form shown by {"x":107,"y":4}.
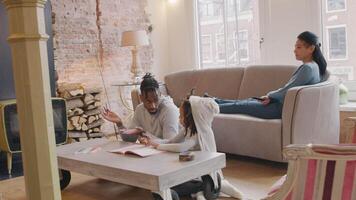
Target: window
{"x":337,"y":42}
{"x":235,"y":33}
{"x":207,"y":48}
{"x":336,"y":5}
{"x":338,"y":46}
{"x":245,"y":5}
{"x":243,"y":45}
{"x":220,"y":47}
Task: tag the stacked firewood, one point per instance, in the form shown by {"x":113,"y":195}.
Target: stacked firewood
{"x":83,"y":110}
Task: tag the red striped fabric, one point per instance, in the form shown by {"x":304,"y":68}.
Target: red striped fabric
{"x":329,"y":178}
{"x":310,"y":180}
{"x":349,"y":180}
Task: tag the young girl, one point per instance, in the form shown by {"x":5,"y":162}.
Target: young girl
{"x":196,"y":116}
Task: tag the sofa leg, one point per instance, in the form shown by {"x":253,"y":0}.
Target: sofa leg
{"x":9,"y":162}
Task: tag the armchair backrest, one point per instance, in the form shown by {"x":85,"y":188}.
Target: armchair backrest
{"x":319,"y":172}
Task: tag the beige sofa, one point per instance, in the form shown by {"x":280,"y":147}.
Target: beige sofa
{"x":310,"y":113}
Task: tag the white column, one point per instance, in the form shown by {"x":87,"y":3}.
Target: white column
{"x":30,"y":65}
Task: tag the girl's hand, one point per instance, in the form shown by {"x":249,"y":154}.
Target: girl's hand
{"x":155,"y":145}
{"x":265,"y":100}
{"x":144,"y":140}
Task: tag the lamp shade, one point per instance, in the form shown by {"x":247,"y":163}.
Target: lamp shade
{"x":134,"y":38}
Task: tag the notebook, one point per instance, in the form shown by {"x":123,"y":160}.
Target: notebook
{"x":137,"y":149}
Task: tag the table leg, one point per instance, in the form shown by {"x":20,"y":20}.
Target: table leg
{"x":165,"y":194}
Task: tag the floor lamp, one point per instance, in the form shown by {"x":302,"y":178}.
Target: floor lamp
{"x":134,"y":39}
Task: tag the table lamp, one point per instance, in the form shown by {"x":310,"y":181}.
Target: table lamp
{"x":134,"y":39}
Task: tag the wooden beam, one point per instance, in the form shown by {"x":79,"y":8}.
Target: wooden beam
{"x":31,"y":74}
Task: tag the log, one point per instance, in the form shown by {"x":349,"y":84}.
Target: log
{"x":78,"y":111}
{"x":97,"y":97}
{"x":70,"y":113}
{"x":88,"y":99}
{"x":96,"y":123}
{"x":65,"y":88}
{"x":91,"y":135}
{"x":77,"y":134}
{"x":70,"y":125}
{"x":84,"y":127}
{"x":92,"y":90}
{"x":92,"y":112}
{"x":74,"y":120}
{"x":91,"y":119}
{"x":74,"y":103}
{"x":97,"y":103}
{"x":91,"y":107}
{"x":77,"y":92}
{"x":82,"y":120}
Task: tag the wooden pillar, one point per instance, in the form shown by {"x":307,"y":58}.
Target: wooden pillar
{"x":30,"y":66}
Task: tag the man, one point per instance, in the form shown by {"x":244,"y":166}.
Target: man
{"x":156,"y":115}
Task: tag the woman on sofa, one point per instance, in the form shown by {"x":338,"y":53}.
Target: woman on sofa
{"x":307,"y":49}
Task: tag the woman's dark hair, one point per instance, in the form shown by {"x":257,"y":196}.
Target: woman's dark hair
{"x":148,"y":84}
{"x":188,"y":115}
{"x":188,"y":118}
{"x":311,"y":39}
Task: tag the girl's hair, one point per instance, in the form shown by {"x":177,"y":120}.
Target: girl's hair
{"x":188,"y":118}
{"x":311,"y":39}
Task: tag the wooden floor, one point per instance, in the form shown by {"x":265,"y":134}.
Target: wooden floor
{"x":253,"y":177}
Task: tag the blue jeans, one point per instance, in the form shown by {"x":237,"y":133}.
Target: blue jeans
{"x":251,"y":107}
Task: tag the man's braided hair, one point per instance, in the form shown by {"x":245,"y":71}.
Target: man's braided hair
{"x":148,"y":84}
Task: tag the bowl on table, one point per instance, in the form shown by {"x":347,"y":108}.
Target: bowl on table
{"x":130,"y":135}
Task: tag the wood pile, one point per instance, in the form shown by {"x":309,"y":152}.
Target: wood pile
{"x":83,"y":110}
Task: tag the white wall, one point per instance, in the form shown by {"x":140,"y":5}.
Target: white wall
{"x":281,"y":22}
{"x":173,"y":35}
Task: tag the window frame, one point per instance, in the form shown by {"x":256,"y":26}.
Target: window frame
{"x":337,"y":10}
{"x":216,"y":47}
{"x":238,"y":46}
{"x":211,"y":60}
{"x":328,"y":42}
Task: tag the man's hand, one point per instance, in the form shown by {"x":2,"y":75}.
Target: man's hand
{"x":265,"y":100}
{"x":111,"y":116}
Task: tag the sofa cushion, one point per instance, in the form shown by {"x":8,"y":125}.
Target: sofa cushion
{"x":246,"y":135}
{"x":258,"y":80}
{"x":220,"y":82}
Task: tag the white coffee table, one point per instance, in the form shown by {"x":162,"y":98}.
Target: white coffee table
{"x":157,"y":173}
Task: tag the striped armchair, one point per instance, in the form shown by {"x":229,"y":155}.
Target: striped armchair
{"x":325,"y":172}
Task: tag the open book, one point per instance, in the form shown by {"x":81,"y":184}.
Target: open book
{"x":137,"y":149}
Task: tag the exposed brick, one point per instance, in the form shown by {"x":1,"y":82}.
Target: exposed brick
{"x":82,"y":56}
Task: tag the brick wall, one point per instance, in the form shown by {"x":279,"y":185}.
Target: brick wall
{"x":87,"y":36}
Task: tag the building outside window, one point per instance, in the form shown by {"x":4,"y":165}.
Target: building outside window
{"x":339,"y":48}
{"x":230,"y":17}
{"x":335,"y":5}
{"x":243,"y":45}
{"x":220,"y":47}
{"x":207,"y":47}
{"x":337,"y":42}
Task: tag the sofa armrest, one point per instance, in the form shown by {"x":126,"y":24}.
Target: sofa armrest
{"x":311,"y":114}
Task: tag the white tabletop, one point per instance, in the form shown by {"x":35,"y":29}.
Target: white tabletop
{"x":156,"y":173}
